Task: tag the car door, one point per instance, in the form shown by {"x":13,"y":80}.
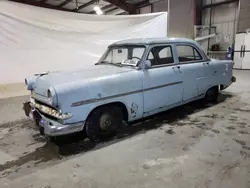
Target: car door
{"x":162,"y":83}
{"x":192,"y":67}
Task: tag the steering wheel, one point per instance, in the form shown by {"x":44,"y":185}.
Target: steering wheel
{"x":136,"y":58}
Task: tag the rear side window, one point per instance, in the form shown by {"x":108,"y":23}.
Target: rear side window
{"x":187,"y":54}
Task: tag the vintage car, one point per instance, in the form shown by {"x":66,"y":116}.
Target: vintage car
{"x":134,"y":79}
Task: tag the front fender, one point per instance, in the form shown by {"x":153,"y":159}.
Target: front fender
{"x":80,"y":98}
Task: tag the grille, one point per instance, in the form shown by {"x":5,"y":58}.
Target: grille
{"x":44,"y":114}
{"x":42,"y":103}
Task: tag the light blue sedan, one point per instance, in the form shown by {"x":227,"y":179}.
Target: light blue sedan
{"x":134,"y":79}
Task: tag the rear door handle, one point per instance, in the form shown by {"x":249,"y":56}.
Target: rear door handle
{"x":241,"y":50}
{"x":177,"y":68}
{"x":244,"y":50}
{"x":206,"y":63}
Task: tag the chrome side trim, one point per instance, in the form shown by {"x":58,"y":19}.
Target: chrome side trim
{"x":161,"y":86}
{"x":104,"y":98}
{"x":79,"y":103}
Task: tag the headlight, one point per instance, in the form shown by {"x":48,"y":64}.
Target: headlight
{"x":30,"y":82}
{"x":52,"y":97}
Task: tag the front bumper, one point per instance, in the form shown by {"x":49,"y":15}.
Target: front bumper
{"x":54,"y":128}
{"x":50,"y":127}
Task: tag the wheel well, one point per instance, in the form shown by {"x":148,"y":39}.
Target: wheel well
{"x":222,"y":87}
{"x":117,"y":104}
{"x":216,"y":86}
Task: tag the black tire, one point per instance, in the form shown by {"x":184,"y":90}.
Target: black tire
{"x":103,"y":123}
{"x":212,"y":94}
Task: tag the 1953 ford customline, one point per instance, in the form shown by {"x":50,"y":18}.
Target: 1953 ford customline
{"x":134,"y":79}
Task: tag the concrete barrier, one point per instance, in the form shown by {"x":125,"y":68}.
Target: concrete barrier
{"x":13,"y":90}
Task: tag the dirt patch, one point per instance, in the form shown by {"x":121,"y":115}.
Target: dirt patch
{"x":215,"y":131}
{"x":14,"y":124}
{"x":243,"y":143}
{"x":42,"y":154}
{"x":246,"y":148}
{"x":245,"y":154}
{"x":230,"y":128}
{"x":242,"y":125}
{"x":214,"y":116}
{"x":6,"y":173}
{"x":228,"y":168}
{"x":243,"y":132}
{"x":170,"y":131}
{"x":203,"y":126}
{"x":233,"y":118}
{"x":242,"y":110}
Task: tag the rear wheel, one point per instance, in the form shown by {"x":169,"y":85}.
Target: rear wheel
{"x":212,"y":94}
{"x":103,"y":122}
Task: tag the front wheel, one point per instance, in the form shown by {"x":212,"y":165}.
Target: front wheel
{"x":103,"y":123}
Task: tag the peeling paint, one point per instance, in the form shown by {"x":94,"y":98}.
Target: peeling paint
{"x":133,"y":109}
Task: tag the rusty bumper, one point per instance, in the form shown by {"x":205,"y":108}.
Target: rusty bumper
{"x":27,"y":108}
{"x":32,"y":114}
{"x":49,"y":127}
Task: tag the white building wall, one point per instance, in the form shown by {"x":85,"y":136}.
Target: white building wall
{"x":181,"y":15}
{"x":224,"y":18}
{"x":146,"y":9}
{"x":244,"y":15}
{"x":160,"y":6}
{"x":181,"y":18}
{"x":228,"y":19}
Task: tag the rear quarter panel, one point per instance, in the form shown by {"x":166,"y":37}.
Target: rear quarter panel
{"x":222,"y":72}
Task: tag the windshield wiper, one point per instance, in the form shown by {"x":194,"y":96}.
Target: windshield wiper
{"x":109,"y":63}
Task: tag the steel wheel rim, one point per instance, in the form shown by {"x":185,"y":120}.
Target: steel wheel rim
{"x":106,"y":122}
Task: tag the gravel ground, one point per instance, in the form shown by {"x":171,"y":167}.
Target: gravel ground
{"x":195,"y":145}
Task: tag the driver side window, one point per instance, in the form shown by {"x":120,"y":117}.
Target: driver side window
{"x":119,"y":55}
{"x":137,"y":53}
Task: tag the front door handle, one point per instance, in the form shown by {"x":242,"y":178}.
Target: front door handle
{"x":206,"y":63}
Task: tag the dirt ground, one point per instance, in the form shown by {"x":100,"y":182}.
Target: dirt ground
{"x":194,"y":146}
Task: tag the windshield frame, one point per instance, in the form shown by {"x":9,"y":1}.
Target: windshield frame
{"x":105,"y":54}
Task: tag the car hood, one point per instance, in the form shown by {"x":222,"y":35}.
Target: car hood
{"x":51,"y":79}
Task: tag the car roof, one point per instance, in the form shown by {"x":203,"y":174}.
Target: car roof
{"x":145,"y":41}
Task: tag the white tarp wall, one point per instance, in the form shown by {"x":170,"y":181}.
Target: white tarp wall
{"x":33,"y":39}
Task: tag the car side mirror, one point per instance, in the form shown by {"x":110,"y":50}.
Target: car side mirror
{"x":147,"y":64}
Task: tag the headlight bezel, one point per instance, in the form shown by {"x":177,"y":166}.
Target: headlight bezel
{"x":52,"y":97}
{"x":30,"y":82}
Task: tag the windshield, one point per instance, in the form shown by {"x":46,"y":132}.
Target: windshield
{"x":123,"y":55}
